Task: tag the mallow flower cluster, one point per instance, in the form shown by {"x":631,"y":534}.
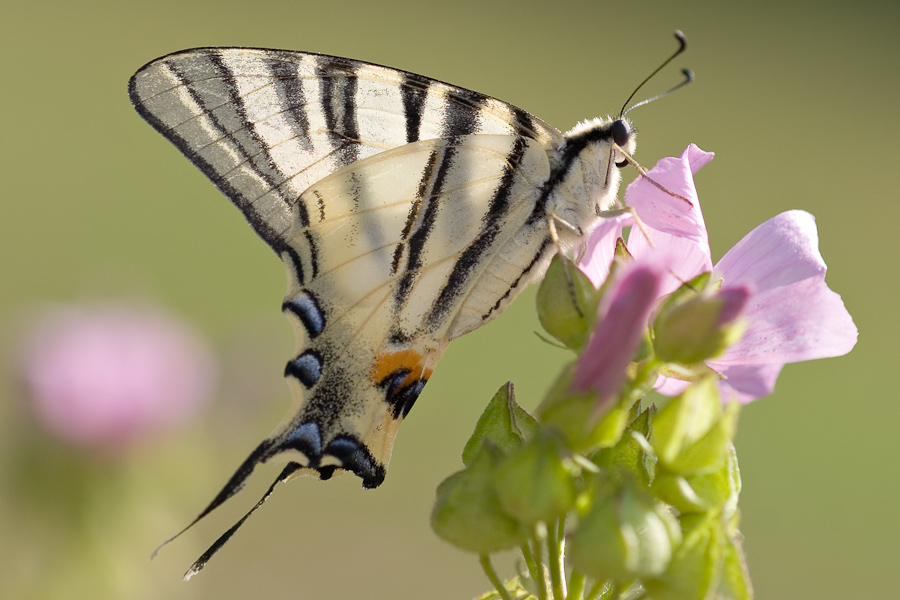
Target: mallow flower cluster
{"x":603,"y":495}
{"x":790,"y":312}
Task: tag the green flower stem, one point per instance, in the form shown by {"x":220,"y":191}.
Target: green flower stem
{"x":541,"y":580}
{"x":534,"y":570}
{"x":492,"y":575}
{"x":555,"y":541}
{"x":576,"y":587}
{"x":601,"y":590}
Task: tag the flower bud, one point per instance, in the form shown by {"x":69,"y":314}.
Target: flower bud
{"x":692,"y":434}
{"x":632,"y":452}
{"x":567,"y":303}
{"x":626,"y":534}
{"x":695,"y":568}
{"x":537,"y":483}
{"x":701,"y":326}
{"x":585,"y":426}
{"x":467,"y":513}
{"x":699,"y":493}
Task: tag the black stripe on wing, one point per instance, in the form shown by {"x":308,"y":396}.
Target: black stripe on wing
{"x":337,"y":89}
{"x":430,"y":190}
{"x":263,"y":167}
{"x":413,"y":94}
{"x":472,"y":256}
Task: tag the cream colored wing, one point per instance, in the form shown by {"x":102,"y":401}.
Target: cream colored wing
{"x":264,"y":125}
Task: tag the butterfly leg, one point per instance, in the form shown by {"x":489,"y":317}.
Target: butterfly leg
{"x":552,"y":220}
{"x":640,"y":169}
{"x":617,"y":212}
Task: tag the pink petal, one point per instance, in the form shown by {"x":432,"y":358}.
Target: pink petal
{"x":669,"y":386}
{"x":672,"y":223}
{"x":783,"y":250}
{"x":800,"y":321}
{"x":601,"y":248}
{"x":690,"y":258}
{"x":661,"y":210}
{"x":793,"y":316}
{"x":745,"y":383}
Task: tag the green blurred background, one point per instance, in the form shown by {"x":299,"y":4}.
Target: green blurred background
{"x":799,"y":101}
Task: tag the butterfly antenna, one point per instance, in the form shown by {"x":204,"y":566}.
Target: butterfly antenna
{"x":689,"y":77}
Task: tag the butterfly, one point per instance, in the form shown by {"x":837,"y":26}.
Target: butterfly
{"x":407,"y":212}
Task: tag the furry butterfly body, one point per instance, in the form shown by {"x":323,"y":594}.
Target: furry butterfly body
{"x":407,"y":212}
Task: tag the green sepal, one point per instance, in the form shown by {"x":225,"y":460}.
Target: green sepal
{"x":699,"y":493}
{"x":506,"y":424}
{"x":576,"y":415}
{"x":697,"y":564}
{"x":567,"y":303}
{"x":692,"y":433}
{"x":467,"y":512}
{"x":537,"y":483}
{"x":630,"y":452}
{"x":734,"y":583}
{"x":709,"y":453}
{"x":688,"y":290}
{"x":626,"y":534}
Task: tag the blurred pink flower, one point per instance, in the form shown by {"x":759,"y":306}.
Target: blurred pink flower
{"x":793,"y":315}
{"x":106,"y":376}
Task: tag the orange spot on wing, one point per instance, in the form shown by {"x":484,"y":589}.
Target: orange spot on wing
{"x":404,"y":360}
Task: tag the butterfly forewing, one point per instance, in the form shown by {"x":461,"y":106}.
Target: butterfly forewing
{"x":264,"y":125}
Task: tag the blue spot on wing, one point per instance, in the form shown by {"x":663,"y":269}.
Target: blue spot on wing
{"x":306,"y":368}
{"x":356,"y":457}
{"x":307,"y":439}
{"x":306,"y":307}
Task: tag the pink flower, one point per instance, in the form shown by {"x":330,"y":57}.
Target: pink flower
{"x":105,"y":376}
{"x":792,"y":314}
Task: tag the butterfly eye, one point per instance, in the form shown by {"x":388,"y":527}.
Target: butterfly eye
{"x":621,"y":133}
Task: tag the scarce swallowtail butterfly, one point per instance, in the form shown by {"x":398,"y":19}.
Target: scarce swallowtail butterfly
{"x":407,"y":212}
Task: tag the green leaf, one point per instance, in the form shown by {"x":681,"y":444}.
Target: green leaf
{"x":506,"y":424}
{"x":467,"y":512}
{"x":567,"y":303}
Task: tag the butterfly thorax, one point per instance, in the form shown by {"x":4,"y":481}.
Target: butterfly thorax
{"x":585,"y":178}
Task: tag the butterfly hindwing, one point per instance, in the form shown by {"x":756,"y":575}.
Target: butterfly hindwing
{"x":381,"y":277}
{"x":264,"y":125}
